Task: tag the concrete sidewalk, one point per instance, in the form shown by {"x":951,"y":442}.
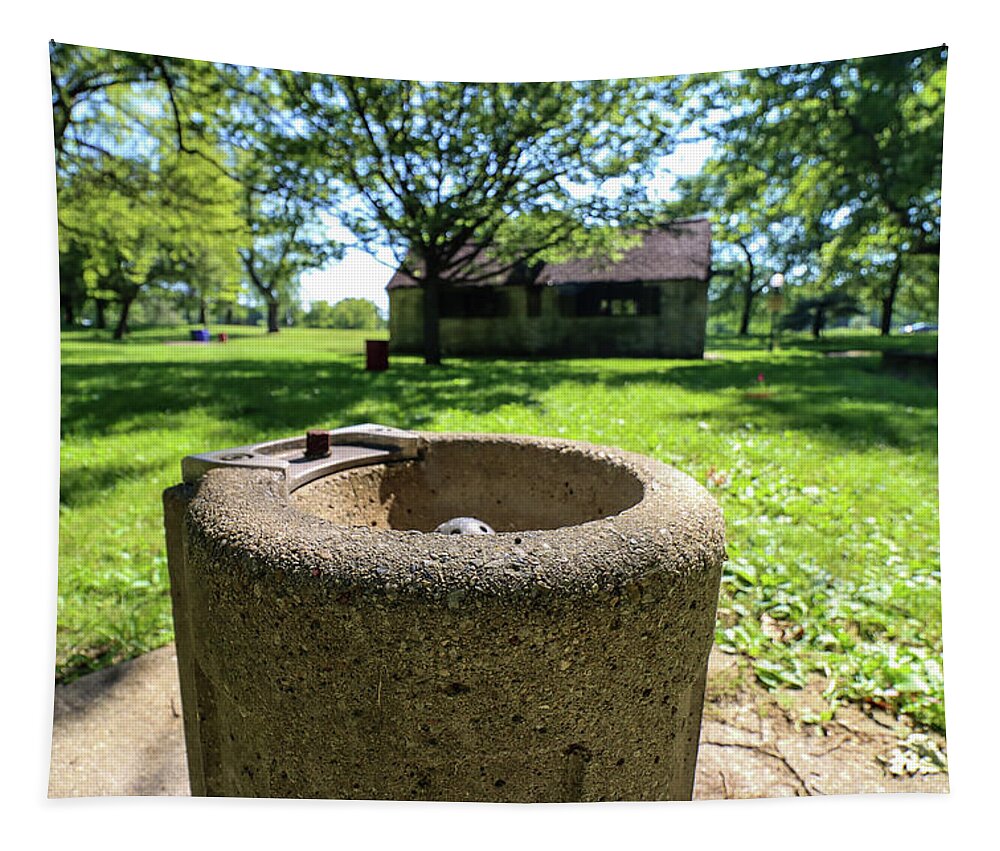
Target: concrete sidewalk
{"x":119,"y":732}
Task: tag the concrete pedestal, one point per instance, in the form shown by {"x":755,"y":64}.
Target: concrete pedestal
{"x":331,"y":646}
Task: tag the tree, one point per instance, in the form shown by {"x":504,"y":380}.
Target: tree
{"x":319,"y":315}
{"x":814,"y":313}
{"x":211,"y":274}
{"x":281,"y":199}
{"x":466,"y":181}
{"x":139,"y":202}
{"x":355,"y":313}
{"x":163,"y":226}
{"x":200,"y":147}
{"x":854,"y":148}
{"x":285,"y":241}
{"x":874,"y":268}
{"x":72,"y":289}
{"x":84,"y":80}
{"x":753,"y":235}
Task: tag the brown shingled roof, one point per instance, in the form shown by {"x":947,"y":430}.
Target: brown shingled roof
{"x":679,"y":252}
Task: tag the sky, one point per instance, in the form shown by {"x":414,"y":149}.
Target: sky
{"x":359,"y":275}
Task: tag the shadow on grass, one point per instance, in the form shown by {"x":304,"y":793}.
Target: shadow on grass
{"x":851,"y":399}
{"x":846,"y":396}
{"x":270,"y":396}
{"x":83,"y":485}
{"x":831,"y":342}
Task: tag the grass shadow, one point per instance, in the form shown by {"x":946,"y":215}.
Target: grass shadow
{"x":850,"y":398}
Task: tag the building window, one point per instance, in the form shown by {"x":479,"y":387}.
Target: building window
{"x":619,"y":307}
{"x":474,"y":302}
{"x":609,"y":300}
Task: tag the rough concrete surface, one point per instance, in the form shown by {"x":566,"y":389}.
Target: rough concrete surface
{"x":118,"y":732}
{"x":337,"y":648}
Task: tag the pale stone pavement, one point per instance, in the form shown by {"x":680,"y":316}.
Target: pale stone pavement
{"x":119,"y":732}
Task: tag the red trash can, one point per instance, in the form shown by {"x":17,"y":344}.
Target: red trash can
{"x":376,"y":355}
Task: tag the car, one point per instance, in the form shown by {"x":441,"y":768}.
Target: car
{"x":919,"y":328}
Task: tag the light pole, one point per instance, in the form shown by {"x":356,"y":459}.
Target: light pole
{"x":775,"y":301}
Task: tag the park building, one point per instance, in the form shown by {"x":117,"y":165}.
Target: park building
{"x":651,"y":302}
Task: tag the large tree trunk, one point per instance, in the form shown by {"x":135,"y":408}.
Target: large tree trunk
{"x":229,"y":316}
{"x":889,"y":299}
{"x":819,"y":320}
{"x":270,"y":293}
{"x":748,"y":290}
{"x":432,"y":321}
{"x":748,"y":295}
{"x":122,"y":327}
{"x":102,"y":321}
{"x":202,"y":318}
{"x":69,"y":315}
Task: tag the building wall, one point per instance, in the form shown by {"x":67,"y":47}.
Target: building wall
{"x":678,"y":331}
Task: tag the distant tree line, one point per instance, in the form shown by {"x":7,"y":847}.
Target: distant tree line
{"x":348,"y":313}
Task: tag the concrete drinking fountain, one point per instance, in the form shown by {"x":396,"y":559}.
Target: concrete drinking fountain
{"x":373,"y":613}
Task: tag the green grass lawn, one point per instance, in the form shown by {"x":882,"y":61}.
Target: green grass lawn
{"x":826,"y":471}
